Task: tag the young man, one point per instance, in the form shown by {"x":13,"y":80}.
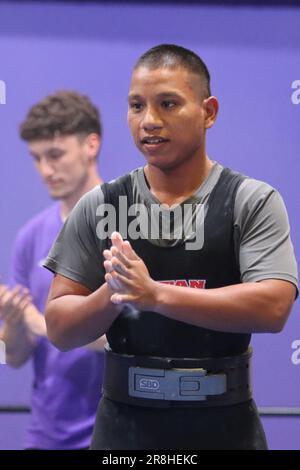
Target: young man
{"x":63,"y":132}
{"x":208,"y":261}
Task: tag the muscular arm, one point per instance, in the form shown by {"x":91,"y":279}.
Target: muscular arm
{"x":75,"y":315}
{"x":243,"y":308}
{"x":36,"y":324}
{"x":254,"y":307}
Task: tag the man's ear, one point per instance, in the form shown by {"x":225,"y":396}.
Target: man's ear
{"x":92,"y":144}
{"x":211,"y":107}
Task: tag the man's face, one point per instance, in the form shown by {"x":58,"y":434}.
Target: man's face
{"x":167,"y":115}
{"x":63,"y":164}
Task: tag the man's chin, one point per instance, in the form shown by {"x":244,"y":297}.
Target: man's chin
{"x":163,"y":165}
{"x":56,"y":195}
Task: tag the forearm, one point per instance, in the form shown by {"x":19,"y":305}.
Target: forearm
{"x":76,"y":320}
{"x":242,"y":308}
{"x":19,"y":343}
{"x":35,"y":321}
{"x":97,"y":345}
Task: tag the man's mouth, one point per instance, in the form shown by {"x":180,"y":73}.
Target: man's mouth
{"x":153,"y":141}
{"x":52,"y":183}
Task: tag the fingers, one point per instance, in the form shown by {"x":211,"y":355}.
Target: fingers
{"x":19,"y":295}
{"x":107,"y":254}
{"x":127,"y":256}
{"x":123,"y":281}
{"x":108,"y":266}
{"x":120,"y":248}
{"x":111,"y":260}
{"x":113,"y":267}
{"x":129,"y":251}
{"x":115,"y":260}
{"x":118,"y":261}
{"x":119,"y":254}
{"x":123,"y":246}
{"x":119,"y":265}
{"x":118,"y":299}
{"x":13,"y":303}
{"x":3,"y":289}
{"x":25,"y":302}
{"x":109,"y":277}
{"x":15,"y":317}
{"x":3,"y":294}
{"x":113,"y":283}
{"x":7,"y":299}
{"x":117,"y":240}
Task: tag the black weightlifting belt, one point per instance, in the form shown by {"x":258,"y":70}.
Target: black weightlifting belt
{"x":169,"y":382}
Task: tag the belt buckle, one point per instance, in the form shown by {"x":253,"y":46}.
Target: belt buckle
{"x":174,"y":384}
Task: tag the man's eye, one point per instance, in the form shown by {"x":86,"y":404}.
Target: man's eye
{"x":168,"y":104}
{"x":135,"y":106}
{"x":55,"y":156}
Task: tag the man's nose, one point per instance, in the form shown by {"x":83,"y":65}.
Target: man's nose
{"x":45,"y":168}
{"x":151,"y":119}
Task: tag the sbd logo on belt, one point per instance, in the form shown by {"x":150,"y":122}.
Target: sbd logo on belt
{"x":149,"y":384}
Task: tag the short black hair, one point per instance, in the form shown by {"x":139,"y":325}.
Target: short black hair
{"x":63,"y":113}
{"x":172,"y":56}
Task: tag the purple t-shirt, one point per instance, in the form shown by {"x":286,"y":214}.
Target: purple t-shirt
{"x":67,"y":385}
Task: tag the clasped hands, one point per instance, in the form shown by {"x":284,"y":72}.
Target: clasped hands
{"x":127,"y":276}
{"x":18,"y":311}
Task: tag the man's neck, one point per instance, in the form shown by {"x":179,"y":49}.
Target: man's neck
{"x":176,"y":185}
{"x":66,"y":205}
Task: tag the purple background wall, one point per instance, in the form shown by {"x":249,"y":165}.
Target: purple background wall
{"x":253,"y":55}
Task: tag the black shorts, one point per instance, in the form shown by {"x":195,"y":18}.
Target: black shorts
{"x":126,"y":427}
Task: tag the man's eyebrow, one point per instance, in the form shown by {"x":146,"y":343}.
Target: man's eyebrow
{"x":53,"y":149}
{"x":46,"y":152}
{"x":164,"y":94}
{"x":169,"y":94}
{"x":133,"y":97}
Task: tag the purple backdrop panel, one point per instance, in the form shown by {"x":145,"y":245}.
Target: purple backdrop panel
{"x":276,"y":366}
{"x":15,"y":385}
{"x":13,"y":427}
{"x":282,"y":433}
